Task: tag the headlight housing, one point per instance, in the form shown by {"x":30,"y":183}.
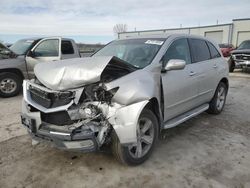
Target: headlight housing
{"x":98,"y":92}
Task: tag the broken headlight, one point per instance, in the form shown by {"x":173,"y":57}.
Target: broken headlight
{"x":106,"y":96}
{"x":98,"y":92}
{"x":89,"y":112}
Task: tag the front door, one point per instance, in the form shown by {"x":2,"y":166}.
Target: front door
{"x":46,"y":50}
{"x":180,"y":87}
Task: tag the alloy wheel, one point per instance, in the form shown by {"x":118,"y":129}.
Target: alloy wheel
{"x":221,"y":96}
{"x":145,"y":138}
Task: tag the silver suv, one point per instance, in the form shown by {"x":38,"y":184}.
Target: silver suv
{"x":125,"y":94}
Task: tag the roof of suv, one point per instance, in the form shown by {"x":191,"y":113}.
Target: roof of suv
{"x":172,"y":35}
{"x":163,"y":36}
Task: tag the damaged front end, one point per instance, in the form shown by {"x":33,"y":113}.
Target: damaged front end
{"x":80,"y":118}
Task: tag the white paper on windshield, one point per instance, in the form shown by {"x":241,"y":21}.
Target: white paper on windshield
{"x":29,"y":41}
{"x":156,"y":42}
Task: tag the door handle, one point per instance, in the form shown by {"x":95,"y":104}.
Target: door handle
{"x":192,"y":73}
{"x":215,"y":66}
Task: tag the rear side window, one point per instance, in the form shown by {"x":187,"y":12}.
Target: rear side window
{"x":199,"y":50}
{"x":213,"y":51}
{"x":67,"y":47}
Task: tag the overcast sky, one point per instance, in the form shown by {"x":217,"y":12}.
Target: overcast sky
{"x":93,"y":20}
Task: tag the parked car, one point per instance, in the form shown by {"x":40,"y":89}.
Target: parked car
{"x":22,"y":56}
{"x":125,"y":94}
{"x":240,"y":58}
{"x":226,"y":49}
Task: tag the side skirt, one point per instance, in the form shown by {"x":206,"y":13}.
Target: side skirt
{"x":184,"y":117}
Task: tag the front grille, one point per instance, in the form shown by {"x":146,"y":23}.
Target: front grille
{"x":57,"y":118}
{"x":50,"y":99}
{"x":242,"y":57}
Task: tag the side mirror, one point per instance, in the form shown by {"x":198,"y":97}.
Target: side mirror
{"x":31,"y":54}
{"x":175,"y":64}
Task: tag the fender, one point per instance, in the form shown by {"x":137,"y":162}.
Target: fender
{"x":124,"y":121}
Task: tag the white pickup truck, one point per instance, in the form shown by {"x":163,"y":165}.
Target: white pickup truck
{"x":17,"y":62}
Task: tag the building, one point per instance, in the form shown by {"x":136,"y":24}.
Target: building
{"x":232,"y":33}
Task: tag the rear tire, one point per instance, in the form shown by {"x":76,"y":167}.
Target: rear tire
{"x":231,"y":65}
{"x":147,"y":131}
{"x":10,"y":84}
{"x":218,"y":102}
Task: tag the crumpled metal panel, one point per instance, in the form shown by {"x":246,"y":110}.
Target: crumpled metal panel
{"x":71,"y":73}
{"x":125,"y":120}
{"x":135,"y":87}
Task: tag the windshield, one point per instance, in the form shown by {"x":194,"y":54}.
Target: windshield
{"x":21,"y":47}
{"x":3,"y":48}
{"x":244,"y":45}
{"x":137,"y":52}
{"x":4,"y":52}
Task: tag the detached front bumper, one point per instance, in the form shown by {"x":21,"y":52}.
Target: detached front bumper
{"x":61,"y":136}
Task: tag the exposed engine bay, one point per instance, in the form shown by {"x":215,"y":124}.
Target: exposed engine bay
{"x":78,"y":115}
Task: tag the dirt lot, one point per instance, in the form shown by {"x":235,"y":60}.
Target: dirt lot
{"x":206,"y":151}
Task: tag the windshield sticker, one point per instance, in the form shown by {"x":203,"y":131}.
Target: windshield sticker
{"x":29,"y":41}
{"x":157,"y":42}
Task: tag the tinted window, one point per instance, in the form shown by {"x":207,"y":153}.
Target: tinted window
{"x":213,"y":51}
{"x":48,"y":48}
{"x":199,"y":50}
{"x":67,"y":47}
{"x":179,"y":49}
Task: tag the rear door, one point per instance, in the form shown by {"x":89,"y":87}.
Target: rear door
{"x":206,"y":68}
{"x":48,"y":49}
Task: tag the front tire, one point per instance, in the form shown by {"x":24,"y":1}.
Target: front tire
{"x":10,"y":84}
{"x":147,"y":135}
{"x":218,"y":102}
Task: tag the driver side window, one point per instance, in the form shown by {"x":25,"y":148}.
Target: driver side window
{"x":48,"y":48}
{"x":179,"y":49}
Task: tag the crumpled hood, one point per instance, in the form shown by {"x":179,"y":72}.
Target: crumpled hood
{"x":73,"y":73}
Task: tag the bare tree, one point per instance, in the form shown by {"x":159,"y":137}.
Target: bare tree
{"x":119,"y":28}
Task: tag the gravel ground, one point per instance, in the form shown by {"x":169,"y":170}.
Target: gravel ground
{"x":206,"y":151}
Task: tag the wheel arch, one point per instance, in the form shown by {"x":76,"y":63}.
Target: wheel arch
{"x":225,"y":81}
{"x":125,"y":119}
{"x":14,"y":71}
{"x":154,"y":106}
